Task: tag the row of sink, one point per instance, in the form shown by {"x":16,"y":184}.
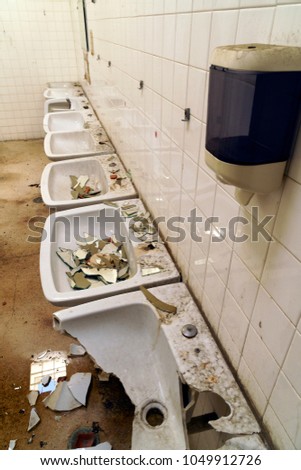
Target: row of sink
{"x":103,"y":260}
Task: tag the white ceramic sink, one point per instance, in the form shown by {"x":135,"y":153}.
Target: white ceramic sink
{"x":63,"y":92}
{"x":62,"y":145}
{"x":67,"y":121}
{"x":56,"y":182}
{"x":64,"y":228}
{"x":123,"y":336}
{"x":54,"y":105}
{"x":147,"y":349}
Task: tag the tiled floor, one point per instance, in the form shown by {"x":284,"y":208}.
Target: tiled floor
{"x":26,"y":320}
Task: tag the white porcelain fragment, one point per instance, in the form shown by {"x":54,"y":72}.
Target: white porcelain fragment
{"x":32,"y":397}
{"x":34,"y":419}
{"x":76,"y":350}
{"x":12,"y":444}
{"x":79,"y":384}
{"x":61,"y":399}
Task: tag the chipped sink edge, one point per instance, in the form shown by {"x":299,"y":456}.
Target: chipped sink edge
{"x":205,"y":372}
{"x":71,"y":297}
{"x":126,"y":192}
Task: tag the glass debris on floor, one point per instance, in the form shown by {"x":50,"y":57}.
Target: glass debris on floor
{"x":84,"y":186}
{"x":96,"y":263}
{"x":71,"y":394}
{"x":47,"y":363}
{"x":34,"y":419}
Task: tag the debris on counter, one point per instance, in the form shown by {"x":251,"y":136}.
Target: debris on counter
{"x":34,"y":419}
{"x":165,"y":307}
{"x":98,"y":262}
{"x":84,"y":186}
{"x":149,"y":271}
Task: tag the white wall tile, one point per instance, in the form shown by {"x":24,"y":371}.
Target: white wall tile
{"x":252,"y":387}
{"x":182,"y":42}
{"x":286,"y":27}
{"x":205,"y":193}
{"x":200,"y":40}
{"x":254,"y":353}
{"x":180,"y":77}
{"x":214,"y":288}
{"x":243,"y":285}
{"x":220,"y":257}
{"x":169,"y":36}
{"x":189,"y":175}
{"x":287,"y":405}
{"x":235,"y":321}
{"x":293,"y":358}
{"x":192,"y":138}
{"x":281,"y":278}
{"x":201,"y":5}
{"x":196,"y":92}
{"x":223,"y":29}
{"x":251,"y":245}
{"x":254,"y":25}
{"x":288,"y":225}
{"x":272,"y":325}
{"x":279,"y":436}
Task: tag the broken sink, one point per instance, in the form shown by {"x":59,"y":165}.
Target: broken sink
{"x":141,"y":341}
{"x":56,"y":182}
{"x":131,"y":253}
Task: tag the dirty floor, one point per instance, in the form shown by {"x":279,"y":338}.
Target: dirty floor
{"x":26,"y":321}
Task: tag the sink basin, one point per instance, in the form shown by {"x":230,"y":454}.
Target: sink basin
{"x":67,"y":121}
{"x":64,"y":228}
{"x":62,"y":145}
{"x":53,"y":105}
{"x":56,"y":183}
{"x":63,"y":92}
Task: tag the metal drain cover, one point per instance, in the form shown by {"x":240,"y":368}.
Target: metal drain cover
{"x":189,"y":331}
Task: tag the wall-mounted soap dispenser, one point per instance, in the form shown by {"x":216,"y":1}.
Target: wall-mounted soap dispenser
{"x":253,"y":116}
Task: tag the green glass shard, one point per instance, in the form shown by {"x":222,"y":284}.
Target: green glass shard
{"x":165,"y":307}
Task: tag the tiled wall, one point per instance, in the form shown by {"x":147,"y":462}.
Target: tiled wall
{"x":37,"y":45}
{"x":249,"y":292}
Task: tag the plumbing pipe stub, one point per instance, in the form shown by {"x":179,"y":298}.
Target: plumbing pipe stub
{"x":189,"y":331}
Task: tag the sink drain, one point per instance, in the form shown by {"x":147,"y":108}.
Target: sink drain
{"x":154,"y":414}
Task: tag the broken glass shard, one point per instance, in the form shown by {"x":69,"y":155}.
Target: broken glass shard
{"x":150,"y":271}
{"x":79,"y":384}
{"x":34,"y":419}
